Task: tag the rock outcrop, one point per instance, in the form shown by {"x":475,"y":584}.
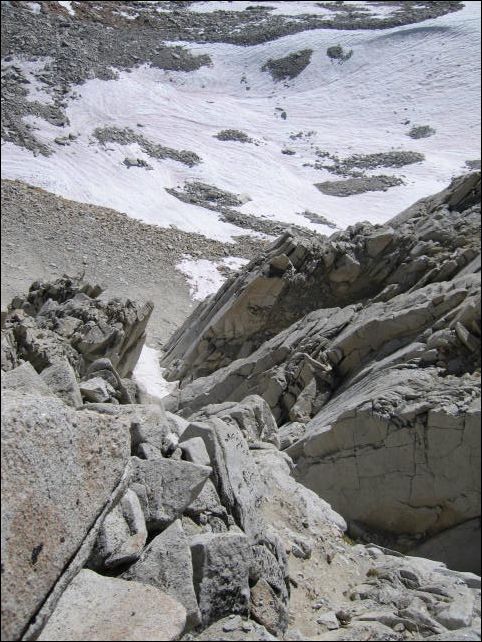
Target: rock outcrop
{"x":66,"y":320}
{"x":355,"y":381}
{"x":430,"y":242}
{"x":60,"y":468}
{"x":377,"y":399}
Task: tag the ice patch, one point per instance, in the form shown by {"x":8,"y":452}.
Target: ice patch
{"x":148,"y":374}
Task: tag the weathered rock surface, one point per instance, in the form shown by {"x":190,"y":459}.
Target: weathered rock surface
{"x":235,"y":627}
{"x":122,"y":535}
{"x":404,"y":466}
{"x":221,"y":564}
{"x":59,"y":468}
{"x":252,"y":415}
{"x":432,"y":241}
{"x":369,"y":385}
{"x":61,"y":379}
{"x":66,"y":319}
{"x":166,"y":487}
{"x":457,"y":547}
{"x":377,"y":399}
{"x":101,"y":608}
{"x":235,"y":475}
{"x":24,"y":378}
{"x":166,"y":564}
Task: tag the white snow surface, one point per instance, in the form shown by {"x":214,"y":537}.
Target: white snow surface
{"x":149,"y":376}
{"x":428,"y":74}
{"x":203,"y":276}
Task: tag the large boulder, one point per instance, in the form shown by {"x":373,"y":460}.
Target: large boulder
{"x":166,"y":487}
{"x":221,"y":563}
{"x":59,"y":469}
{"x":166,"y":564}
{"x":106,"y":608}
{"x":398,"y":451}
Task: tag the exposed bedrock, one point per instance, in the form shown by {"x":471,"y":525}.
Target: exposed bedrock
{"x":375,"y":386}
{"x":432,"y":241}
{"x":126,"y":520}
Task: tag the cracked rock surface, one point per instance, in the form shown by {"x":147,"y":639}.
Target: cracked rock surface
{"x":315,"y":476}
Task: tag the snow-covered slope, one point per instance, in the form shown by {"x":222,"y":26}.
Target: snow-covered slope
{"x":427,"y":74}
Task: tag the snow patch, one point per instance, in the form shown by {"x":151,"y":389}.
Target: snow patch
{"x":149,"y":376}
{"x":67,"y":4}
{"x":203,"y":276}
{"x":426,"y":74}
{"x":34,"y":7}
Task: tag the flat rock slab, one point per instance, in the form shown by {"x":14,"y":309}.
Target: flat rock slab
{"x":103,"y":608}
{"x":59,"y":469}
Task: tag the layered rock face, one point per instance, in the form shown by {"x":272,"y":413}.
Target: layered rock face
{"x":431,"y":242}
{"x":378,"y":398}
{"x":209,"y":518}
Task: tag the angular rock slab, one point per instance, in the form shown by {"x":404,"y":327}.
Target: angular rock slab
{"x":252,"y":415}
{"x":166,"y":564}
{"x":103,"y":608}
{"x":267,"y":609}
{"x":61,"y":379}
{"x":236,"y":476}
{"x":122,"y":535}
{"x":166,"y":487}
{"x":24,"y":378}
{"x":59,"y":469}
{"x":398,"y":450}
{"x":221,"y":574}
